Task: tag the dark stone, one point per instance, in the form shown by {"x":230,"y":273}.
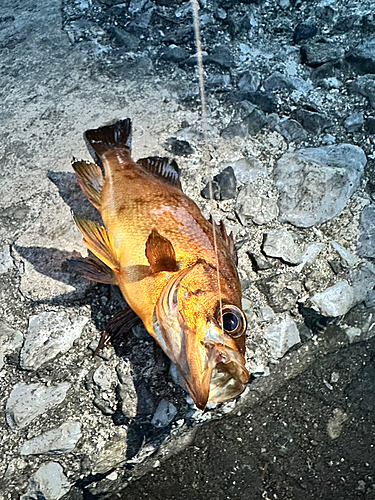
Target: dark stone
{"x":354,"y":122}
{"x":221,"y":56}
{"x":169,"y":3}
{"x":223,"y":186}
{"x":344,"y":24}
{"x":291,"y":130}
{"x":263,"y":100}
{"x":219,"y":81}
{"x":277,"y":81}
{"x":178,"y":147}
{"x":124,"y":39}
{"x":362,"y":389}
{"x":281,"y":290}
{"x":370,"y":125}
{"x":312,"y":121}
{"x":316,"y":54}
{"x":366,"y":240}
{"x":255,"y":121}
{"x":258,"y":263}
{"x":235,"y":129}
{"x":365,"y":86}
{"x":173,"y":54}
{"x":367,"y":25}
{"x":303,"y":31}
{"x":249,"y":81}
{"x":362,"y":58}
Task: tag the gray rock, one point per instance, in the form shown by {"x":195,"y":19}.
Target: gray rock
{"x":173,"y":54}
{"x":255,"y":121}
{"x":48,"y":335}
{"x":6,"y":261}
{"x":218,"y":81}
{"x":354,"y":122}
{"x":335,"y":300}
{"x":104,"y":377}
{"x":49,"y":482}
{"x":56,"y":441}
{"x":348,"y":258}
{"x":164,"y":414}
{"x":363,"y":282}
{"x":312,"y":121}
{"x":258,"y":263}
{"x":281,"y":290}
{"x":278,"y":81}
{"x":136,"y":6}
{"x":113,"y":453}
{"x":365,"y":86}
{"x":362,"y":57}
{"x":265,"y":314}
{"x":315,"y":183}
{"x":127,"y":392}
{"x":258,"y":209}
{"x":303,"y":31}
{"x":223,"y":186}
{"x":27,"y":401}
{"x":291,"y":130}
{"x":234,"y":129}
{"x":247,"y":170}
{"x":309,"y":255}
{"x":335,"y":423}
{"x":282,"y":337}
{"x":280,"y":243}
{"x":10,"y":340}
{"x":366,"y":240}
{"x":316,"y":54}
{"x":249,"y":81}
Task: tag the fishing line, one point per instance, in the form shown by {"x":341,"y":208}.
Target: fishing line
{"x":198,"y":44}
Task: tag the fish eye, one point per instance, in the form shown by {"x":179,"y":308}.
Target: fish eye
{"x":234,"y":321}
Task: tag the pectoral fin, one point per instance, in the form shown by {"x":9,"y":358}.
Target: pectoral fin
{"x":160,"y":253}
{"x":94,"y":269}
{"x":98,"y":241}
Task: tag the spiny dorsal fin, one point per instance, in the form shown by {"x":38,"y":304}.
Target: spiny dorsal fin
{"x":229,"y":241}
{"x":160,"y":253}
{"x":110,"y":137}
{"x":98,"y":241}
{"x":90,"y":180}
{"x":164,"y":169}
{"x":94,"y":269}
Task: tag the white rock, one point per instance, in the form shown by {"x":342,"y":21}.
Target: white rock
{"x":127,"y":392}
{"x":265,"y":314}
{"x":105,"y":377}
{"x":10,"y":340}
{"x":282,"y":337}
{"x":280,"y":243}
{"x":113,"y":453}
{"x":335,"y":423}
{"x":164,"y":414}
{"x":48,"y":335}
{"x":60,"y":440}
{"x":6,"y":261}
{"x":315,"y":183}
{"x":348,"y":258}
{"x":257,"y":209}
{"x":247,"y":170}
{"x":48,"y":482}
{"x":336,"y":300}
{"x":309,"y":255}
{"x":352,"y":332}
{"x":28,"y":401}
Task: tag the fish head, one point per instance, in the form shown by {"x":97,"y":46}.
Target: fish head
{"x":203,"y":335}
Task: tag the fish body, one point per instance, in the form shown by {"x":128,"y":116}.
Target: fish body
{"x":161,"y":253}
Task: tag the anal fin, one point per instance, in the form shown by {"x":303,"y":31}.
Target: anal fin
{"x":90,"y":179}
{"x":99,"y":241}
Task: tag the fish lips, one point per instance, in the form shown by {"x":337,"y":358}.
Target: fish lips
{"x":208,"y":361}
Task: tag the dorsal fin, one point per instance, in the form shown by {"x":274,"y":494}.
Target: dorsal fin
{"x":110,"y":137}
{"x":229,"y":241}
{"x":160,"y":253}
{"x":164,"y":169}
{"x":90,"y":180}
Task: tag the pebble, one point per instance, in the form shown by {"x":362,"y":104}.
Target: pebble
{"x":56,"y":441}
{"x":309,"y":255}
{"x":247,"y":170}
{"x":348,"y":258}
{"x":278,"y":81}
{"x":164,"y":414}
{"x":254,"y":208}
{"x":366,"y":240}
{"x":223,"y":186}
{"x":178,"y":147}
{"x":27,"y":401}
{"x":6,"y":261}
{"x":282,"y":290}
{"x":363,"y":281}
{"x":312,"y":121}
{"x":173,"y":54}
{"x":127,"y":392}
{"x":354,"y":122}
{"x":335,"y":423}
{"x":362,"y":57}
{"x":282,"y":336}
{"x":291,"y":130}
{"x":49,"y":334}
{"x":265,"y":314}
{"x":10,"y":340}
{"x":304,"y":31}
{"x":49,"y":482}
{"x":105,"y":377}
{"x":218,"y":81}
{"x":365,"y":86}
{"x":255,"y":121}
{"x":316,"y":54}
{"x":112,"y":454}
{"x":280,"y":243}
{"x":315,"y":183}
{"x":259,"y":263}
{"x":249,"y":81}
{"x":336,"y":300}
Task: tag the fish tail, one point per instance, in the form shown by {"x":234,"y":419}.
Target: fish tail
{"x":117,"y":136}
{"x":90,"y":179}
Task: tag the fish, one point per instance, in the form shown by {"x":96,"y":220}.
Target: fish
{"x":157,"y":247}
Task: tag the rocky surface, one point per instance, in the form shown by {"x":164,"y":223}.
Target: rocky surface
{"x":291,"y":123}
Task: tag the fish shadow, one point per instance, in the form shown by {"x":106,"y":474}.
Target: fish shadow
{"x":71,"y":193}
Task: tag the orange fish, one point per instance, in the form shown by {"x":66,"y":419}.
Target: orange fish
{"x":159,"y":249}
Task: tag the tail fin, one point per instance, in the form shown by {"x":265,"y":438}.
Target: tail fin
{"x":109,"y":137}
